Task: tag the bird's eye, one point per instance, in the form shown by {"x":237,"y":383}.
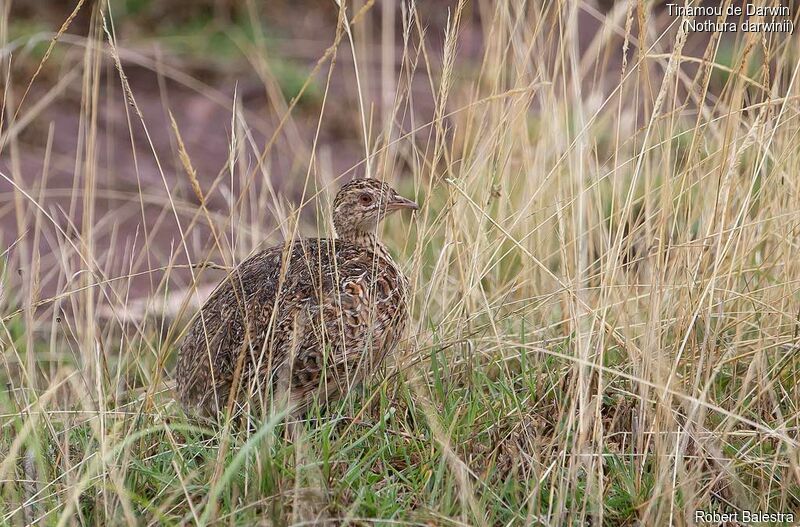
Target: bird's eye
{"x":365,"y":199}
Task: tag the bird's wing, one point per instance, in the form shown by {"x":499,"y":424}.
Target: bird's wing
{"x":232,"y":315}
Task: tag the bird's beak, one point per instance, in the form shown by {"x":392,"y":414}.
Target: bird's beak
{"x":399,"y":202}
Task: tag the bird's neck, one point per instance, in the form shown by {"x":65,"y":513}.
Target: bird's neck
{"x":368,"y":240}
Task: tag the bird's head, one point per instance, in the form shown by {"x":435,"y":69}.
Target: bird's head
{"x":362,"y":203}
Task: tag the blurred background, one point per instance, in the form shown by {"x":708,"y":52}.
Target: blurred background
{"x":218,"y":64}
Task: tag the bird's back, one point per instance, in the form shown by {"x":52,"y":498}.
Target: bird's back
{"x":308,"y":318}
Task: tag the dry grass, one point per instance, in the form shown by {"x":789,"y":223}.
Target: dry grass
{"x":605,"y":267}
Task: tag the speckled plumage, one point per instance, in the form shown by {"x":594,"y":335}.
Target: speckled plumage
{"x":309,"y":318}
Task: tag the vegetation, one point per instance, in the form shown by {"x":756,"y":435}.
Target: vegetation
{"x":605,"y":266}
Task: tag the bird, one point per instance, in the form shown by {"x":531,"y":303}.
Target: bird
{"x":305,"y":319}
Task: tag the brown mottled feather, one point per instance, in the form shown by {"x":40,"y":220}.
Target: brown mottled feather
{"x":312,"y":318}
